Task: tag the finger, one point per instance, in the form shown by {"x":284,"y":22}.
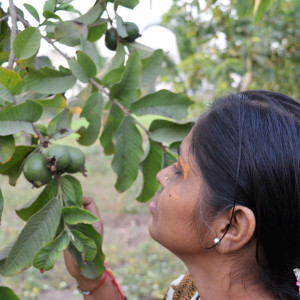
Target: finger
{"x":89,"y":204}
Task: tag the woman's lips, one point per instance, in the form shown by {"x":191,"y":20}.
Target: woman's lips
{"x":153,"y":207}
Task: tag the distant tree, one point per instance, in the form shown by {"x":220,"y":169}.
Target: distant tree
{"x":235,"y":45}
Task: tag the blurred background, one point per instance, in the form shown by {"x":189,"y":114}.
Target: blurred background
{"x":211,"y":48}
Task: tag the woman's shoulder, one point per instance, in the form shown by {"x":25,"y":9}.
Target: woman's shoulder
{"x":182,"y":288}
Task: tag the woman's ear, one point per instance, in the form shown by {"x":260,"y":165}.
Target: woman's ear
{"x":239,"y":232}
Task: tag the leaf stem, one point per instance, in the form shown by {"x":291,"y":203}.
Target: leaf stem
{"x":13,"y":34}
{"x":105,"y":7}
{"x":43,"y":141}
{"x":116,"y":102}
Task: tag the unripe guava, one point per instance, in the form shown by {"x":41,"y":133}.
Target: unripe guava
{"x":111,"y":39}
{"x":61,"y":155}
{"x":35,"y":170}
{"x":77,"y":160}
{"x":132,"y":31}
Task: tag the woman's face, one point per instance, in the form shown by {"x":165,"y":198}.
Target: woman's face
{"x":174,"y":205}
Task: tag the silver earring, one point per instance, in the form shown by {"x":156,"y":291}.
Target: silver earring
{"x":166,"y":178}
{"x":216,"y":241}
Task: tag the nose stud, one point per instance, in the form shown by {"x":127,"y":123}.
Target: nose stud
{"x":166,"y":178}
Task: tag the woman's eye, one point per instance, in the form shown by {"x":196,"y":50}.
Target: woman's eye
{"x":176,"y":170}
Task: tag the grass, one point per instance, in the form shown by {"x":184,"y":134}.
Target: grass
{"x":142,"y":267}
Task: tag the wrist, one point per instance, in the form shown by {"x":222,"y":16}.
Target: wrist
{"x":86,"y":284}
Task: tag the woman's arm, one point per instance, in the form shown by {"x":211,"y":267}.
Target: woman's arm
{"x":105,"y":291}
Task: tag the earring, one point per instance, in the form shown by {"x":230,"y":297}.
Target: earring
{"x":166,"y":178}
{"x":216,"y":241}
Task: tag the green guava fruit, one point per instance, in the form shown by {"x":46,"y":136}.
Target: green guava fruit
{"x":61,"y":155}
{"x":132,"y":31}
{"x":77,"y":160}
{"x":111,"y":39}
{"x":35,"y":169}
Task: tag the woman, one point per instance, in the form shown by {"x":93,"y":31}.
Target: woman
{"x":230,"y":207}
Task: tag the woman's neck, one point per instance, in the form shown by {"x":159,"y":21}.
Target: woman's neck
{"x":217,"y":277}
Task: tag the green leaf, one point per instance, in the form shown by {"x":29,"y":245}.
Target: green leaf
{"x":4,"y":254}
{"x":13,"y":167}
{"x":35,"y":204}
{"x":75,"y":215}
{"x":242,"y":7}
{"x":12,"y":127}
{"x":50,"y":5}
{"x":143,"y":50}
{"x":27,"y":43}
{"x":129,"y":3}
{"x":49,"y":81}
{"x":61,"y":123}
{"x":83,"y":68}
{"x":14,"y":119}
{"x":113,"y":76}
{"x":29,"y":111}
{"x":84,"y":244}
{"x":117,"y":61}
{"x":31,"y":9}
{"x":40,"y":229}
{"x":52,"y":106}
{"x":150,"y":166}
{"x":90,"y":269}
{"x":7,"y":148}
{"x":168,"y":132}
{"x":7,"y":293}
{"x":152,"y":67}
{"x":11,"y":80}
{"x":121,"y":28}
{"x":262,"y":8}
{"x":169,"y":159}
{"x":114,"y":119}
{"x":128,"y":153}
{"x":47,"y":256}
{"x":90,"y":50}
{"x":96,"y":30}
{"x":92,"y":15}
{"x":69,"y":33}
{"x":92,"y":111}
{"x":71,"y":190}
{"x":1,"y":204}
{"x":164,"y":103}
{"x":5,"y":94}
{"x":127,"y":90}
{"x":51,"y":15}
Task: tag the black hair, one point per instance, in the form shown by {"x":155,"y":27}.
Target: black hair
{"x":247,"y":147}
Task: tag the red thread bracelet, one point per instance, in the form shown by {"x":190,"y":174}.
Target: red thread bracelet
{"x":94,"y":289}
{"x":106,"y":273}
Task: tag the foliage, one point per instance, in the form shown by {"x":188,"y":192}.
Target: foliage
{"x":235,"y":45}
{"x":34,"y":102}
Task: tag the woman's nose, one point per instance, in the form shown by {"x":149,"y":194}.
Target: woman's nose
{"x":162,"y":177}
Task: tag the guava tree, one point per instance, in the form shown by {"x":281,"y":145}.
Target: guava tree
{"x":112,"y":98}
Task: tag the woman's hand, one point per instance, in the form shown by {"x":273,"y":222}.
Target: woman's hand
{"x":89,"y":204}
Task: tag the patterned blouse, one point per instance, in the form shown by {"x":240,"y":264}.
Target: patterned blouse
{"x":182,"y":288}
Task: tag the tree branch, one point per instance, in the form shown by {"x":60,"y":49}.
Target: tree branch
{"x":13,"y":34}
{"x":116,"y":102}
{"x":3,"y":18}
